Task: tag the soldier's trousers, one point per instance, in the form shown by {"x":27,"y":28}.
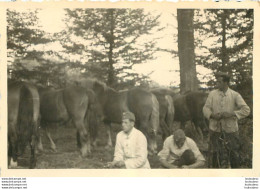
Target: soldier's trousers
{"x":224,"y":150}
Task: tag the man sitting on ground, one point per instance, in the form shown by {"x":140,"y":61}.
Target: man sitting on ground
{"x":131,"y":146}
{"x":180,"y":151}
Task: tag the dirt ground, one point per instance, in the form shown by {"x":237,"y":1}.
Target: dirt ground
{"x":68,"y":155}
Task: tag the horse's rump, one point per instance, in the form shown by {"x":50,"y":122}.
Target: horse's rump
{"x":140,"y":103}
{"x":163,"y":103}
{"x":53,"y":108}
{"x":23,"y":115}
{"x":76,"y":101}
{"x":23,"y":111}
{"x":146,"y":109}
{"x":114,"y":103}
{"x":170,"y":112}
{"x":195,"y":102}
{"x":73,"y":103}
{"x":182,"y":112}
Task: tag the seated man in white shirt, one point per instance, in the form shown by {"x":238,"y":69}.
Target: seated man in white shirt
{"x":131,"y":146}
{"x":180,"y":151}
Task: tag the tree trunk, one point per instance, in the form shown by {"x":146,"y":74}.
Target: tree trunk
{"x":224,"y":55}
{"x":111,"y":71}
{"x":188,"y":77}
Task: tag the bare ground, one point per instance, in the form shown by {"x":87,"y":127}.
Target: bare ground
{"x":68,"y":156}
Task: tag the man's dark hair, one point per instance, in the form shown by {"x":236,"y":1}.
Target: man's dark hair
{"x":225,"y":76}
{"x":129,"y":115}
{"x":187,"y":158}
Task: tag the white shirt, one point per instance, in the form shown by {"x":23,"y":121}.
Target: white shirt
{"x":171,"y":152}
{"x":230,"y":101}
{"x":132,"y":149}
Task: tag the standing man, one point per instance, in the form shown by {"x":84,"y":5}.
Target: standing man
{"x":131,"y":146}
{"x":180,"y":151}
{"x":223,"y":108}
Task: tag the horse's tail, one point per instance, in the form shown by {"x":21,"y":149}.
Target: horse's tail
{"x":36,"y":105}
{"x":35,"y":121}
{"x":153,"y":126}
{"x":170,"y":111}
{"x":93,"y":114}
{"x":154,"y":117}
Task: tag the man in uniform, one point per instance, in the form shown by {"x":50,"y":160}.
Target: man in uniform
{"x":131,"y":146}
{"x":180,"y":151}
{"x":223,"y":108}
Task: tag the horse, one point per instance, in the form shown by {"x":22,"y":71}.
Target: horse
{"x":142,"y":103}
{"x":166,"y":110}
{"x":75,"y":104}
{"x":23,"y":121}
{"x":188,"y":107}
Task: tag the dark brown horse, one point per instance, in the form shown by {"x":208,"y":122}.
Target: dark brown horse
{"x":74,"y":104}
{"x":188,"y":107}
{"x":141,"y":102}
{"x":23,"y":115}
{"x":166,"y":110}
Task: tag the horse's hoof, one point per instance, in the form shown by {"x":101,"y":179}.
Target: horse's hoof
{"x":90,"y":156}
{"x":39,"y":150}
{"x":94,"y":144}
{"x":54,"y":150}
{"x":84,"y":156}
{"x":32,"y":165}
{"x":13,"y":164}
{"x":40,"y":147}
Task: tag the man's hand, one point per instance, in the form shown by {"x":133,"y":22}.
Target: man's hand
{"x":115,"y":164}
{"x":109,"y":165}
{"x":217,"y":116}
{"x":227,"y":115}
{"x":119,"y":164}
{"x":173,"y":166}
{"x":185,"y":167}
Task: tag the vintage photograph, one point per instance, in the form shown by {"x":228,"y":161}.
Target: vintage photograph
{"x":130,"y":88}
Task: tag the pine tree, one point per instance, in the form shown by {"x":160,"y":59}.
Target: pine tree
{"x":229,"y":33}
{"x":107,"y":43}
{"x":24,"y":33}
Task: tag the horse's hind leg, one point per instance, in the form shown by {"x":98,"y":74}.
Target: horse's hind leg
{"x":109,"y":139}
{"x":39,"y":142}
{"x":165,"y":129}
{"x":13,"y":153}
{"x":53,"y":146}
{"x":83,"y":138}
{"x":200,"y":133}
{"x":40,"y":146}
{"x":33,"y":156}
{"x":197,"y":125}
{"x":92,"y":124}
{"x":79,"y":144}
{"x":78,"y":140}
{"x":94,"y":135}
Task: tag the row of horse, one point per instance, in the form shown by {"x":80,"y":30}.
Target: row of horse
{"x":89,"y":103}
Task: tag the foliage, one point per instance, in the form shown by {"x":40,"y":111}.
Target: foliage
{"x":24,"y":35}
{"x":109,"y":42}
{"x":29,"y":53}
{"x":22,"y":32}
{"x":225,"y":43}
